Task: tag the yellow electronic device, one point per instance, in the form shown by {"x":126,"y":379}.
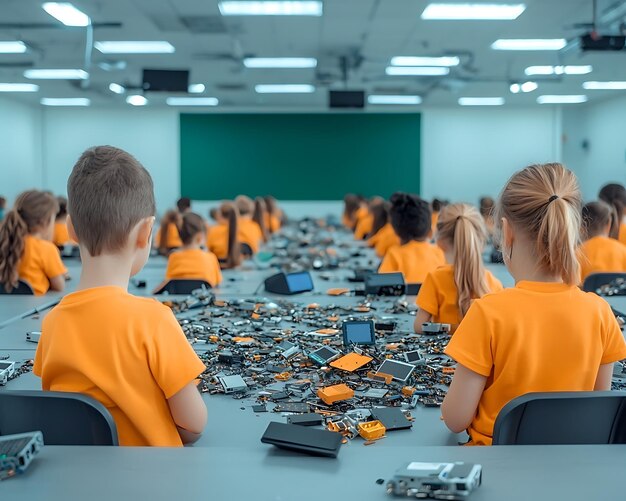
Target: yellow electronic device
{"x":331,"y":394}
{"x":351,"y":362}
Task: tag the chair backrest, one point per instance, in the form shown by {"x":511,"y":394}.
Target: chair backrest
{"x":22,"y":289}
{"x":597,"y":280}
{"x":63,"y":418}
{"x":568,"y":418}
{"x":183,"y":287}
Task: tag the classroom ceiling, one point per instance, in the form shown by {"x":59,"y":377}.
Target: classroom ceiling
{"x":365,"y":34}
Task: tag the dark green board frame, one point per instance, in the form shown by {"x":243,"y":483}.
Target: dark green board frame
{"x":298,"y":156}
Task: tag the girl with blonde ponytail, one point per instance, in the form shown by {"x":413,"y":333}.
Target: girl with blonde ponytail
{"x":447,"y":292}
{"x":545,"y":334}
{"x":26,"y":249}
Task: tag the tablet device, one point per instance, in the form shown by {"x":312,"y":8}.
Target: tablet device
{"x":358,"y":332}
{"x":303,"y":439}
{"x":400,"y":371}
{"x":392,"y":418}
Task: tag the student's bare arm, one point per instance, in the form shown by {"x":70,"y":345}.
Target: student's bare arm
{"x":459,"y":406}
{"x":57,"y":283}
{"x":603,"y":380}
{"x":189,"y":413}
{"x":420,"y":317}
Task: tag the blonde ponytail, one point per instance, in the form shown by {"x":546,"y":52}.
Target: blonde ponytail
{"x":462,"y":227}
{"x":544,"y":201}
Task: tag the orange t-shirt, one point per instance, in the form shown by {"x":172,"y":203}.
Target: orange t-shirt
{"x":348,"y":222}
{"x":414,"y":259}
{"x":129,"y":353}
{"x":535,"y":337}
{"x":363,"y":226}
{"x":172,"y":238}
{"x":384,"y":239}
{"x":622,"y":233}
{"x":272,"y":222}
{"x":439,"y":296}
{"x":217,"y":240}
{"x":194,"y":264}
{"x":249,"y":232}
{"x":601,"y":254}
{"x":61,"y":235}
{"x":39,"y":263}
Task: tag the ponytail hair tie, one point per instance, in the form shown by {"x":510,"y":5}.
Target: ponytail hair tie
{"x":552,"y":199}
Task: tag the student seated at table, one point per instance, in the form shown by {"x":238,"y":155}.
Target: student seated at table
{"x":448,"y":292}
{"x":191,"y":261}
{"x":380,"y":218}
{"x":259,"y":216}
{"x":599,"y":253}
{"x":435,"y":206}
{"x":223,"y":239}
{"x":249,"y":231}
{"x":167,"y":237}
{"x":275,"y":216}
{"x":27,"y":252}
{"x":127,"y":352}
{"x":365,"y":224}
{"x":60,"y":236}
{"x":543,"y":335}
{"x":487,"y":207}
{"x":415,"y":257}
{"x":351,"y":204}
{"x":615,"y":195}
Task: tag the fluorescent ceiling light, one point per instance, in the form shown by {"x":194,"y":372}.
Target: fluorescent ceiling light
{"x":280,"y":62}
{"x":117,"y":88}
{"x":515,"y":88}
{"x":481,"y":101}
{"x":529,"y":44}
{"x":424,"y":71}
{"x":387,"y":99}
{"x":529,"y":86}
{"x":192,"y":101}
{"x":18,"y":87}
{"x":425,"y":61}
{"x":475,"y":11}
{"x":284,"y":88}
{"x":137,"y":100}
{"x":55,"y":74}
{"x":271,"y":8}
{"x":12,"y":47}
{"x":66,"y":13}
{"x":559,"y":70}
{"x":62,"y":101}
{"x":196,"y":88}
{"x":135,"y":47}
{"x":561,"y":99}
{"x":604,"y":85}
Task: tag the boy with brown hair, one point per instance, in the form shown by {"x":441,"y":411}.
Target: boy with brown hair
{"x":127,"y":352}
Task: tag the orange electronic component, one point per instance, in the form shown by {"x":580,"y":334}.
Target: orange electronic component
{"x":362,"y":309}
{"x":408,"y":391}
{"x":327,"y":332}
{"x":380,"y":376}
{"x":334,"y":318}
{"x":372,"y":430}
{"x":283,"y":376}
{"x":351,"y":362}
{"x":243,"y":340}
{"x":313,"y":306}
{"x":214,"y":339}
{"x":331,"y":394}
{"x":219,"y":302}
{"x":338,"y":291}
{"x":448,"y":370}
{"x":393,"y":346}
{"x":257,"y":358}
{"x":256,"y":316}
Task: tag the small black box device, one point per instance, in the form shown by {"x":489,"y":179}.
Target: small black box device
{"x":385,"y":284}
{"x":311,"y":419}
{"x":289,"y":283}
{"x":303,"y":439}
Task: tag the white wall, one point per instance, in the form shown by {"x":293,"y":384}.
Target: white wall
{"x":470,"y":152}
{"x":603,"y":127}
{"x":20,"y":148}
{"x":150,"y":135}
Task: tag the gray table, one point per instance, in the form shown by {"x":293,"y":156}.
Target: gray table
{"x":518,"y":473}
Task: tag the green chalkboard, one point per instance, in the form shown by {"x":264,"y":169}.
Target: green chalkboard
{"x":298,"y":156}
